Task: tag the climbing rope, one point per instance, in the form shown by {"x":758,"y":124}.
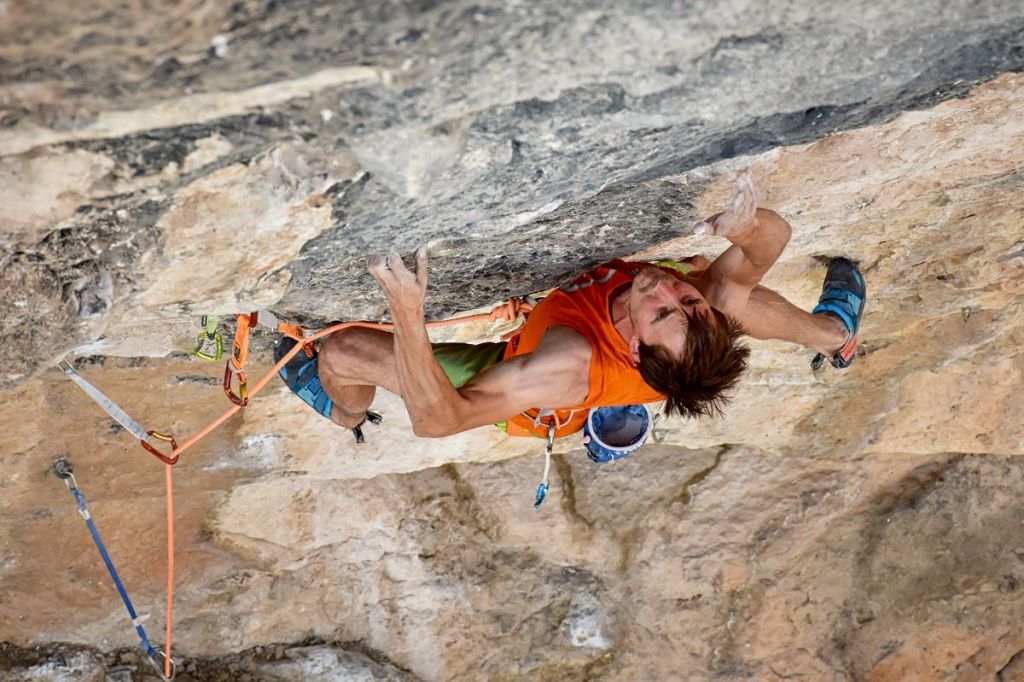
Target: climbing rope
{"x":305,"y":338}
{"x":510,"y":310}
{"x":63,"y":470}
{"x":168,"y":661}
{"x":235,"y":367}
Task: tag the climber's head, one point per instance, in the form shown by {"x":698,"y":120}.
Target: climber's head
{"x":684,"y":348}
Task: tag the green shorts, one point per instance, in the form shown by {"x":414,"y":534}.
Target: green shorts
{"x":463,"y":361}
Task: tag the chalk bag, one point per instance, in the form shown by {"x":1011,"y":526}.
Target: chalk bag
{"x":614,"y":432}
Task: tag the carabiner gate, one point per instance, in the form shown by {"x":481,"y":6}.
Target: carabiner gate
{"x":160,"y":668}
{"x":542,"y":489}
{"x":209,"y":342}
{"x":239,"y":356}
{"x":147,"y":444}
{"x":242,"y":398}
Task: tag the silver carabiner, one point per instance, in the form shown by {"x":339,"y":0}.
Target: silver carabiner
{"x":159,"y":668}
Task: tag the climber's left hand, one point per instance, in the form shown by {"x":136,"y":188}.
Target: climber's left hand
{"x":740,"y":221}
{"x":758,"y":237}
{"x":405,"y":290}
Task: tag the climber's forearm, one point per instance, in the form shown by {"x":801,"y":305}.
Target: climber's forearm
{"x":434,"y":405}
{"x":754,"y":250}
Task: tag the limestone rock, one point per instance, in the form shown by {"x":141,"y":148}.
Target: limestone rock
{"x":227,"y":234}
{"x":834,"y":525}
{"x":508,"y":133}
{"x":58,"y":665}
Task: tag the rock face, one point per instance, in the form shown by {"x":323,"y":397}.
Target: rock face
{"x":161,"y":163}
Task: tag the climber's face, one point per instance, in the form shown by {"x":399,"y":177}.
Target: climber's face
{"x":658,"y":307}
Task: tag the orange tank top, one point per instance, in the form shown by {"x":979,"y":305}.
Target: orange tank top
{"x":584,"y":306}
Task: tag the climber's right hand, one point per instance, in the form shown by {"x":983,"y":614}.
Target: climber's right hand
{"x":406,"y":291}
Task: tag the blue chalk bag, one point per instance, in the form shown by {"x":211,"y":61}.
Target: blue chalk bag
{"x":614,"y":432}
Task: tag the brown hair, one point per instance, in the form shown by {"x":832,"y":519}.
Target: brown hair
{"x":711,"y":364}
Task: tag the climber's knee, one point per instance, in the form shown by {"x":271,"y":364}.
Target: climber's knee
{"x":359,"y":353}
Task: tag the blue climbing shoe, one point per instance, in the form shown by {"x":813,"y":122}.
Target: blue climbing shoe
{"x":302,"y":376}
{"x":843,"y":295}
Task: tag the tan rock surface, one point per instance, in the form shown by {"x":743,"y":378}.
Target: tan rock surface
{"x":854,"y":525}
{"x":836,"y":533}
{"x":235,"y":229}
{"x":45,"y":188}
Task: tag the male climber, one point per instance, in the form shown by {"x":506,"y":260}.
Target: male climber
{"x":624,"y":333}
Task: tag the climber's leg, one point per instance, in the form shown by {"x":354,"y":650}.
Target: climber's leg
{"x":768,"y":315}
{"x":353,"y":362}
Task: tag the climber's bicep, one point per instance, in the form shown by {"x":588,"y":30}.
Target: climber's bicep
{"x":556,"y":374}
